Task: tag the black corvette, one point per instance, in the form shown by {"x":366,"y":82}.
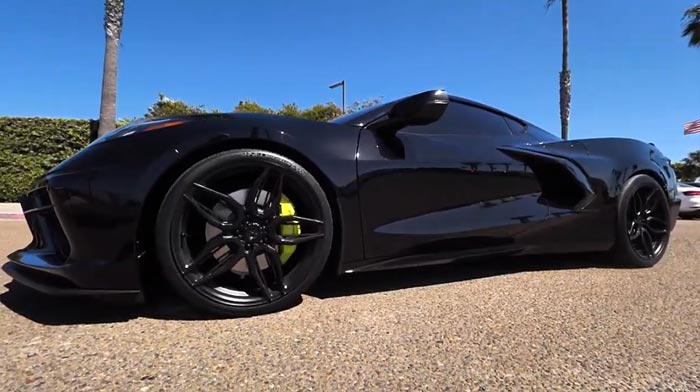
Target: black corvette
{"x":240,"y":213}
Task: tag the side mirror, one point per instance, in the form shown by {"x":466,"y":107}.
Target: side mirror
{"x":420,"y":109}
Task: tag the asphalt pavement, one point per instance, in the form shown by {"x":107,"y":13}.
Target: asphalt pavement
{"x":505,"y":324}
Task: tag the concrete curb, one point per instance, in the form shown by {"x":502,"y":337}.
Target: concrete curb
{"x":11,"y":217}
{"x":11,"y":211}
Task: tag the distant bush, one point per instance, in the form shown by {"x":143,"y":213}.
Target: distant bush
{"x":319,"y":112}
{"x":31,"y":146}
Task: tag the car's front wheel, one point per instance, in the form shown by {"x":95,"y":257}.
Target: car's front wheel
{"x":244,"y":232}
{"x":643,"y":223}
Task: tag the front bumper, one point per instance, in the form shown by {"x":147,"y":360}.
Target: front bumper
{"x":66,"y":255}
{"x":675,"y":208}
{"x":87,"y":214}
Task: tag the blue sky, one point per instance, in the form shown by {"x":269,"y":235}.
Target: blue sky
{"x":633,"y":75}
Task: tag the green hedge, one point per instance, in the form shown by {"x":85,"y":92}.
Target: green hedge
{"x":31,"y":146}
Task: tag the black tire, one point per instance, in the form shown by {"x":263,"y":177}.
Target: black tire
{"x":205,"y":269}
{"x":643,"y":223}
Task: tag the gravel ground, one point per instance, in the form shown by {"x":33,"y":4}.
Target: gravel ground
{"x":498,"y":325}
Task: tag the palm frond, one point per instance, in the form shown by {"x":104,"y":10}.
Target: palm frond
{"x":692,"y":25}
{"x":114,"y":18}
{"x":550,"y":3}
{"x":692,"y":12}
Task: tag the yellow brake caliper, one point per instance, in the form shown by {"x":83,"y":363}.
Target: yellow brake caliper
{"x":291,"y":229}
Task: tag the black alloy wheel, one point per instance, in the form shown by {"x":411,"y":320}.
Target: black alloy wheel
{"x":647,"y":222}
{"x":226,"y":243}
{"x":643,"y":222}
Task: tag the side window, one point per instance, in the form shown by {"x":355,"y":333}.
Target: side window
{"x":515,"y":126}
{"x":462,"y":119}
{"x":541,"y":135}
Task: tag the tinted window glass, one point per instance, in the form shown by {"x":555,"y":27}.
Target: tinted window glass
{"x":362,"y":116}
{"x":515,"y":126}
{"x":541,"y":135}
{"x":464,"y":119}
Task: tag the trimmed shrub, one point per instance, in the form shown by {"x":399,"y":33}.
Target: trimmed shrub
{"x":31,"y":146}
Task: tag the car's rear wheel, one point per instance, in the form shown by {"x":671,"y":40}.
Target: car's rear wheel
{"x":643,"y":223}
{"x":243,"y":232}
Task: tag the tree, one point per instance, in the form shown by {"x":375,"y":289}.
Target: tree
{"x":114,"y":18}
{"x":691,"y":18}
{"x":289,"y":110}
{"x":319,"y":112}
{"x":565,"y":74}
{"x":364,"y":104}
{"x":166,"y":107}
{"x":688,"y":169}
{"x":251,"y":107}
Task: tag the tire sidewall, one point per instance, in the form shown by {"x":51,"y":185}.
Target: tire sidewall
{"x":168,"y":213}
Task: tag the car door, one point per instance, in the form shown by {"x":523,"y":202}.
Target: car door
{"x":443,"y":187}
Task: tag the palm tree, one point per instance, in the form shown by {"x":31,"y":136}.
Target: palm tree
{"x":565,"y":74}
{"x":692,"y":25}
{"x":114,"y":17}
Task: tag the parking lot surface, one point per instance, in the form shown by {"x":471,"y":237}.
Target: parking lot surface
{"x":543,"y":323}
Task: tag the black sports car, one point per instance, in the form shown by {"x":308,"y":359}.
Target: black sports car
{"x":242,"y":212}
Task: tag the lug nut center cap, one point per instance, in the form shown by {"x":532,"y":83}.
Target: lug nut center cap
{"x":251,"y":231}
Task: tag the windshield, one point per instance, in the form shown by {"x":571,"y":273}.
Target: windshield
{"x":361,"y":117}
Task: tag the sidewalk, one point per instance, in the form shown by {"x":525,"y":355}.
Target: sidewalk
{"x":11,"y":211}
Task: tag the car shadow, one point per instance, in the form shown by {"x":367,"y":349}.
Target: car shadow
{"x":390,"y":280}
{"x":50,"y":310}
{"x":166,"y":305}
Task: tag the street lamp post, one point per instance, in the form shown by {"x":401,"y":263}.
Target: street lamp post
{"x":340,"y":84}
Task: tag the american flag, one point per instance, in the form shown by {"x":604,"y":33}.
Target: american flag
{"x":691,"y":127}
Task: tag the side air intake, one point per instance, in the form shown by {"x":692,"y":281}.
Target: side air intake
{"x":562,"y":182}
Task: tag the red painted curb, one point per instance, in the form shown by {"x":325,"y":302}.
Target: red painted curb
{"x":12,"y":216}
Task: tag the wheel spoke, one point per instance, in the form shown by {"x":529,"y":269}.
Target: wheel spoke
{"x":660,"y":224}
{"x":274,"y":261}
{"x":224,"y":266}
{"x":270,"y":182}
{"x":295,"y":239}
{"x":251,"y":200}
{"x":254,"y":271}
{"x":654,"y":230}
{"x":633,"y":232}
{"x":255,"y":189}
{"x":647,"y":242}
{"x":637,"y":203}
{"x":651,"y":201}
{"x":211,"y":247}
{"x":230,"y":202}
{"x":206,"y":213}
{"x":294,"y":218}
{"x":274,"y":197}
